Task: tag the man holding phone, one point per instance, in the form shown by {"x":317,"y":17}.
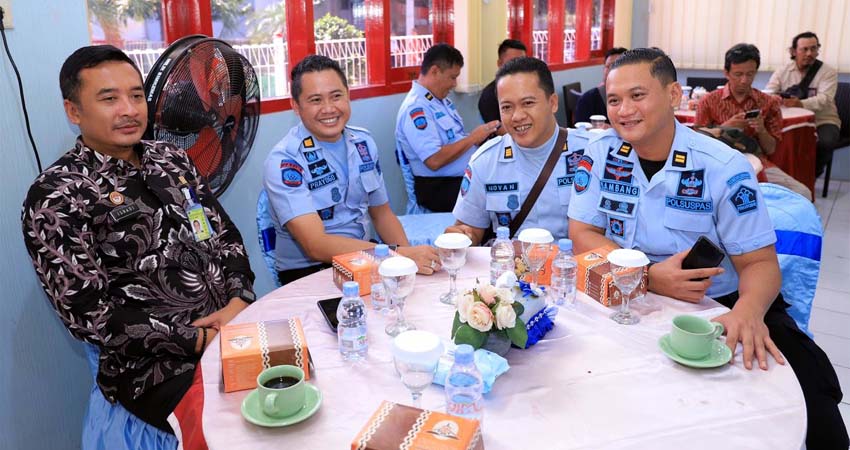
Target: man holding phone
{"x":740,"y":106}
{"x":657,"y":186}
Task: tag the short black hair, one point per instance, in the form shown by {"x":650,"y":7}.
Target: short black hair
{"x":803,"y":35}
{"x":511,"y":44}
{"x":660,"y":65}
{"x":529,"y":64}
{"x":313,"y":63}
{"x":443,"y":56}
{"x":741,"y":53}
{"x":615,"y":51}
{"x":86,"y":58}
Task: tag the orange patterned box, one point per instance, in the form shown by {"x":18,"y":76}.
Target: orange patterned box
{"x":545,"y":275}
{"x":395,"y":426}
{"x":249,"y":348}
{"x":594,"y":278}
{"x":355,"y":266}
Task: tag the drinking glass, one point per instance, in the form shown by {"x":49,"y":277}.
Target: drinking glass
{"x":536,"y":246}
{"x":452,"y":249}
{"x":627,"y":268}
{"x":416,"y":354}
{"x":398,"y":275}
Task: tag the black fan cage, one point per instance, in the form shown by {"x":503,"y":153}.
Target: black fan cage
{"x":203,"y":96}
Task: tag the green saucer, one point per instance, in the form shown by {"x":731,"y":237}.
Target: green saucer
{"x":720,"y":354}
{"x":252,"y":412}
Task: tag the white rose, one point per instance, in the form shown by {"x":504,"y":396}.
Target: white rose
{"x":464,"y":306}
{"x":480,"y":317}
{"x":505,"y":316}
{"x":506,"y":296}
{"x":487,"y":294}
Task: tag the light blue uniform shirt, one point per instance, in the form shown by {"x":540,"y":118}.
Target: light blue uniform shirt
{"x":500,"y":176}
{"x":425,"y":124}
{"x":705,"y":188}
{"x":338,"y":181}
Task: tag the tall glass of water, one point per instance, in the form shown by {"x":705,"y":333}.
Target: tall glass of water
{"x":416,"y":354}
{"x":398,"y":275}
{"x":536,"y":247}
{"x":627,"y":267}
{"x":452,"y":248}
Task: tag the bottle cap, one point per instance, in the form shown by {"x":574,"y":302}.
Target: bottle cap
{"x":382,"y":250}
{"x":350,"y":289}
{"x":502,"y":232}
{"x":565,"y":245}
{"x":464,"y":354}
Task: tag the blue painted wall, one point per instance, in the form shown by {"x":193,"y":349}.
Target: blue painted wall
{"x":44,"y":381}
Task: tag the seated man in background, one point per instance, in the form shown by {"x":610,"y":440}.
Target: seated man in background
{"x":430,"y":134}
{"x":108,"y":227}
{"x":729,"y":107}
{"x":488,"y":104}
{"x":503,"y":171}
{"x":675,"y":185}
{"x":324,"y":180}
{"x":592,"y":102}
{"x":807,"y":82}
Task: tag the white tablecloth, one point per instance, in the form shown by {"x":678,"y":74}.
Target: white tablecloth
{"x":590,"y":384}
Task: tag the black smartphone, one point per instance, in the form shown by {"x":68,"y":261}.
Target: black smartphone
{"x":328,"y":308}
{"x":703,"y":254}
{"x":752,"y":114}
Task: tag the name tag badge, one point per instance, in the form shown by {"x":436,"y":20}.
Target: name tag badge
{"x":201,"y":228}
{"x":124,"y":212}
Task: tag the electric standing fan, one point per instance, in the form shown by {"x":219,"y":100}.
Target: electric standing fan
{"x":204,"y":97}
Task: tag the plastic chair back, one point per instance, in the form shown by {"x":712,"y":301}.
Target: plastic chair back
{"x":799,"y":236}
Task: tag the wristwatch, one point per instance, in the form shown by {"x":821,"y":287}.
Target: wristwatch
{"x":246,"y":295}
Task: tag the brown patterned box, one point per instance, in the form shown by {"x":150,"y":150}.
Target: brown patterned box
{"x":545,"y":275}
{"x":249,"y":348}
{"x":594,"y":278}
{"x":400,"y":427}
{"x":355,"y":266}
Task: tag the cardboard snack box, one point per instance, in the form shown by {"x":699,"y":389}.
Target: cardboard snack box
{"x":249,"y":348}
{"x":355,"y":266}
{"x":545,"y":275}
{"x":395,"y":426}
{"x":594,"y":278}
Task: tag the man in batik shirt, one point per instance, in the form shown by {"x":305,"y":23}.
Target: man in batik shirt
{"x":109,"y":227}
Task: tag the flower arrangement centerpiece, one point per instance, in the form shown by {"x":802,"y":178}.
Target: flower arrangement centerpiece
{"x":487,"y":313}
{"x":494,"y":317}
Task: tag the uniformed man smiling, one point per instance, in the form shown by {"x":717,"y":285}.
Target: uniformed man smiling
{"x":324,"y":177}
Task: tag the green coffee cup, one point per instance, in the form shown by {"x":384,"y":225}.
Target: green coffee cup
{"x":692,"y":337}
{"x":282,"y":390}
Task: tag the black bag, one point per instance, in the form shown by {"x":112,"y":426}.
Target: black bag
{"x":736,"y":139}
{"x":801,"y":90}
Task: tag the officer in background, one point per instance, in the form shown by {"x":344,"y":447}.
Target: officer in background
{"x":323,"y":179}
{"x":429,"y":132}
{"x":657,"y":186}
{"x":503,"y":171}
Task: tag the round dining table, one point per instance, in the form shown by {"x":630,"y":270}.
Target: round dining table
{"x":590,"y":383}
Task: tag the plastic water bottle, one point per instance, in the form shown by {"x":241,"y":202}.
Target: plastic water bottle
{"x":501,"y":255}
{"x":464,"y":386}
{"x":379,"y":297}
{"x":563,"y":284}
{"x":351,"y":331}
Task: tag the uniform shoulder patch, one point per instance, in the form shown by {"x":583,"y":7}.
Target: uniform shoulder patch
{"x":291,"y":173}
{"x":744,"y":200}
{"x":508,"y":152}
{"x":737,"y":178}
{"x":419,"y":119}
{"x":308,"y":142}
{"x":625,"y":150}
{"x":429,"y":96}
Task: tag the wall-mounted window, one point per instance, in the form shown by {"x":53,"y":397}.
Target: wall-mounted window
{"x":378,"y":43}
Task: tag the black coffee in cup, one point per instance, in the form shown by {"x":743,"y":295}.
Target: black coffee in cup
{"x":281,"y":382}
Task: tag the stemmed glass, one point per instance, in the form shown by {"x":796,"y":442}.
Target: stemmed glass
{"x":416,"y":354}
{"x":452,"y":248}
{"x":398,"y":275}
{"x":627,"y":268}
{"x":536,"y":246}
